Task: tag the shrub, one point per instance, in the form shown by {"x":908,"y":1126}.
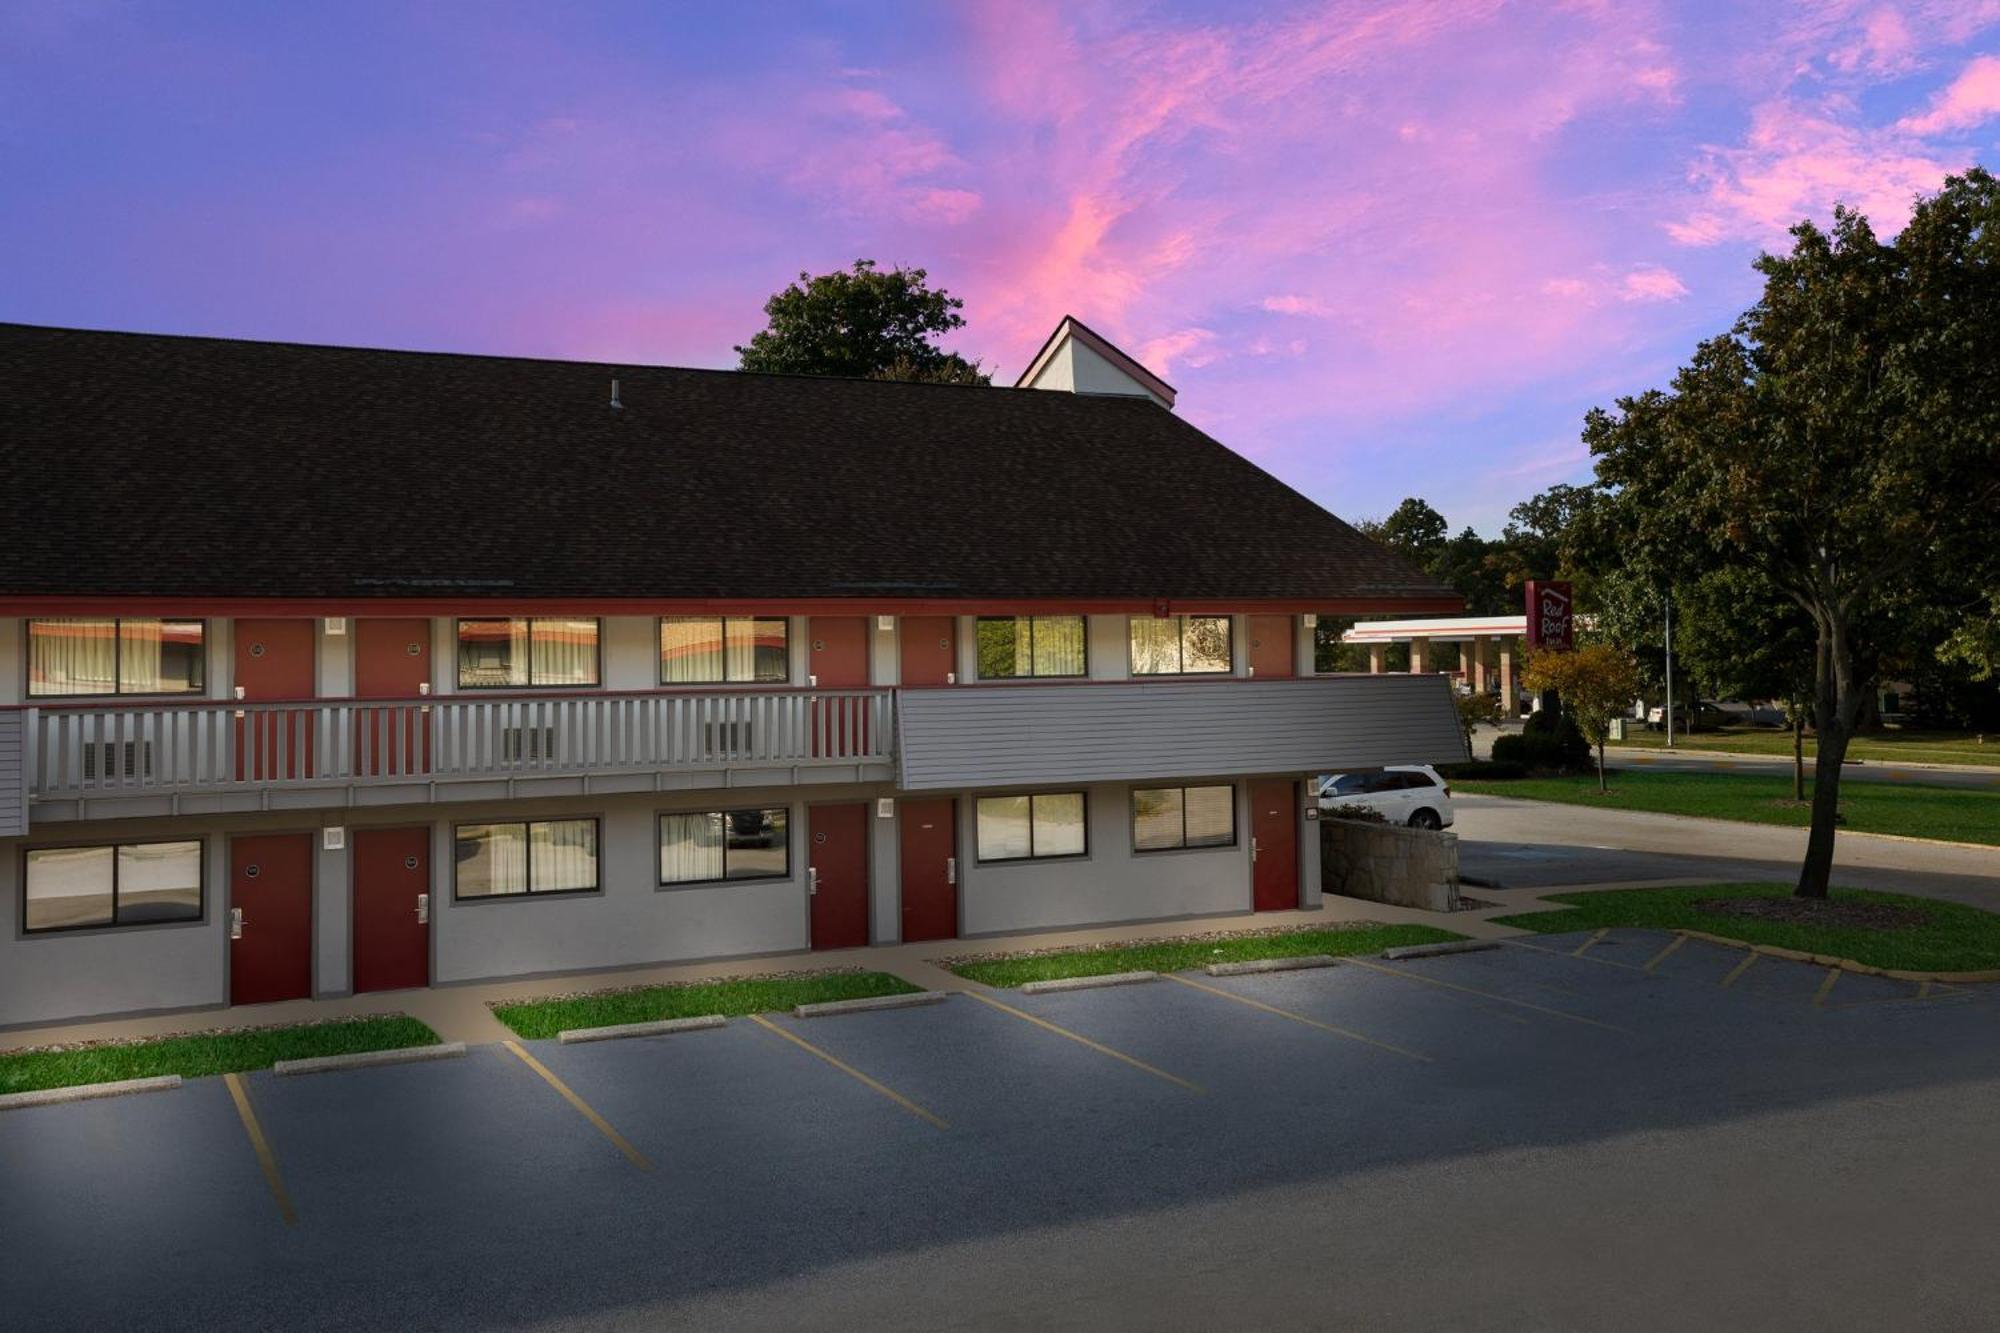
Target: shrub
{"x":1545,"y":743}
{"x":1487,"y":770}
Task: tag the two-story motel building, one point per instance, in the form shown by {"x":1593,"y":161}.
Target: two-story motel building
{"x":327,"y":670}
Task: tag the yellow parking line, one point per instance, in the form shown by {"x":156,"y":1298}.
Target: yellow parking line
{"x":1082,"y":1040}
{"x":618,"y":1140}
{"x":1739,"y":969}
{"x":266,"y":1159}
{"x":1488,"y":995}
{"x":1570,"y":953}
{"x":1664,"y":954}
{"x":851,"y":1071}
{"x":1298,"y":1018}
{"x":1585,"y":947}
{"x":1826,"y":987}
{"x":1923,"y":990}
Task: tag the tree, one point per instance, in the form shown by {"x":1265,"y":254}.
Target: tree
{"x":1842,"y":442}
{"x":1751,"y":642}
{"x":1596,"y":683}
{"x":1415,"y":529}
{"x":864,"y":322}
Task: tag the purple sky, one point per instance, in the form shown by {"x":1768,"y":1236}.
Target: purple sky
{"x":1383,"y":248}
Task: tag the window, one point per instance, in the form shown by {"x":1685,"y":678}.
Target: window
{"x":1180,"y":645}
{"x":724,"y":844}
{"x":82,"y":656}
{"x":545,"y":856}
{"x":1020,"y":828}
{"x":1164,"y":818}
{"x":1011,"y":646}
{"x":502,"y":652}
{"x":129,"y":884}
{"x":695,"y":649}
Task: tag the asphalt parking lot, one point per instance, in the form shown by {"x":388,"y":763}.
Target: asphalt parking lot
{"x":954,"y":1164}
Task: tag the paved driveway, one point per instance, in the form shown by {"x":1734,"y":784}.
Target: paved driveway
{"x":1580,"y":1131}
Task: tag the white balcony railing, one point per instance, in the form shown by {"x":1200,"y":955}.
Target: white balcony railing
{"x":75,"y":750}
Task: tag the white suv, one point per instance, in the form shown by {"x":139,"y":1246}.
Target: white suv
{"x":1412,"y":794}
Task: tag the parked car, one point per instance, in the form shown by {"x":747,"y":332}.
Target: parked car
{"x":1706,"y":713}
{"x":1411,"y":794}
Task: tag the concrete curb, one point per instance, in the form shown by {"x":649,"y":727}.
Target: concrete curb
{"x":1088,"y":983}
{"x":1844,"y":964}
{"x":402,"y":1055}
{"x":84,"y":1092}
{"x":1439,"y":950}
{"x":658,"y":1027}
{"x":1257,"y":965}
{"x":829,"y":1008}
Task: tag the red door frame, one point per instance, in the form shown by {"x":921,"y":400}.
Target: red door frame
{"x":1272,"y":655}
{"x":1274,"y":844}
{"x":392,"y":740}
{"x":837,"y":872}
{"x":927,"y":839}
{"x":391,"y":908}
{"x":927,"y":648}
{"x":271,"y":884}
{"x":275,"y":659}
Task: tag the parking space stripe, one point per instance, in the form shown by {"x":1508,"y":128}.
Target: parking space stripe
{"x":1923,"y":990}
{"x":1739,"y":969}
{"x":1584,"y":947}
{"x":851,"y":1072}
{"x":1826,"y":987}
{"x":266,"y":1159}
{"x":1486,"y":995}
{"x":1571,"y":953}
{"x":1299,"y":1018}
{"x":1664,"y":954}
{"x":1082,"y":1040}
{"x":618,"y":1140}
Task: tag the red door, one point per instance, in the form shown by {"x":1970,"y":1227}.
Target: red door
{"x":1274,"y":845}
{"x":929,"y":866}
{"x":839,"y":661}
{"x":392,"y":660}
{"x":270,"y":917}
{"x":929,"y":650}
{"x":837,"y":861}
{"x":392,"y":908}
{"x":1271,"y":647}
{"x":274,"y":660}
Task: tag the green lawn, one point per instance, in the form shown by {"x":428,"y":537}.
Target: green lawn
{"x":197,"y":1054}
{"x":1956,"y":814}
{"x":1177,"y":955}
{"x":1890,"y":747}
{"x":1952,"y":938}
{"x":645,"y":1004}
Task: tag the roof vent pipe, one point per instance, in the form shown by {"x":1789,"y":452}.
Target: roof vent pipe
{"x":616,"y":406}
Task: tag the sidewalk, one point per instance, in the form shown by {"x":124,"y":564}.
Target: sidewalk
{"x":460,"y":1013}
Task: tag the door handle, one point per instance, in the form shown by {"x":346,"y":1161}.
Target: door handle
{"x":951,"y":870}
{"x":812,"y":880}
{"x":235,"y":923}
{"x":1253,"y":849}
{"x":423,"y":909}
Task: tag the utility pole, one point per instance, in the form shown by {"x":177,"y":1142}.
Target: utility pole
{"x":1670,"y":669}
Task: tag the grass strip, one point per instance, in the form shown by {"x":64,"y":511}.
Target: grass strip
{"x":198,"y":1054}
{"x":1894,"y":747}
{"x":1954,"y":814}
{"x":1180,"y":954}
{"x":1951,"y":938}
{"x":538,"y":1019}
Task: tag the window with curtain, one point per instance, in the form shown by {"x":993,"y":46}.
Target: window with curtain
{"x":498,"y":652}
{"x":1037,"y":827}
{"x":537,"y":856}
{"x":84,"y":656}
{"x":1016,"y":646}
{"x":1180,"y":645}
{"x":124,"y":884}
{"x":1166,"y":818}
{"x":711,"y":845}
{"x":716,"y":649}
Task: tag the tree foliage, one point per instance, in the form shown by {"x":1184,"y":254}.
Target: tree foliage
{"x":866,"y":322}
{"x":1596,"y":683}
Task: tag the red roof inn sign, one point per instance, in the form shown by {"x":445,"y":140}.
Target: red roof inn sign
{"x":1550,"y":624}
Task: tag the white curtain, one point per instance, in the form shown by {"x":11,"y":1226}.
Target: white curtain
{"x":690,"y":649}
{"x":1058,"y":646}
{"x":1156,"y":645}
{"x":72,"y":656}
{"x":690,"y":848}
{"x":1156,"y":819}
{"x":564,"y":652}
{"x":492,"y":860}
{"x":563,"y":855}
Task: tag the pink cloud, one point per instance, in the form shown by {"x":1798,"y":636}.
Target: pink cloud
{"x":1190,"y":347}
{"x":1973,"y":97}
{"x":1295,"y":305}
{"x":1650,"y":282}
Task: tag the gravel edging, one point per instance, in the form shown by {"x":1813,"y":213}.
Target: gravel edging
{"x":1086,"y":983}
{"x":659,"y":1027}
{"x":83,"y":1092}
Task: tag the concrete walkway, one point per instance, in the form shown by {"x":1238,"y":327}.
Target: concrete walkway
{"x":460,"y":1013}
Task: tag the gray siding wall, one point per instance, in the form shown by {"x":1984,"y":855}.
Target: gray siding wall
{"x":1033,"y":735}
{"x":13,"y":777}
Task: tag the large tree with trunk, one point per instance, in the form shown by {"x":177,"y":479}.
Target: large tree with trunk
{"x":1841,"y":442}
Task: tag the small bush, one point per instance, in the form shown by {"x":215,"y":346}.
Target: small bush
{"x":1545,"y":744}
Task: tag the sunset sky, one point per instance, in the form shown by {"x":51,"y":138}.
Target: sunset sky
{"x":1382,"y":248}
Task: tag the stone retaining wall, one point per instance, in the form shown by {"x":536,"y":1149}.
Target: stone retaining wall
{"x":1388,"y":863}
